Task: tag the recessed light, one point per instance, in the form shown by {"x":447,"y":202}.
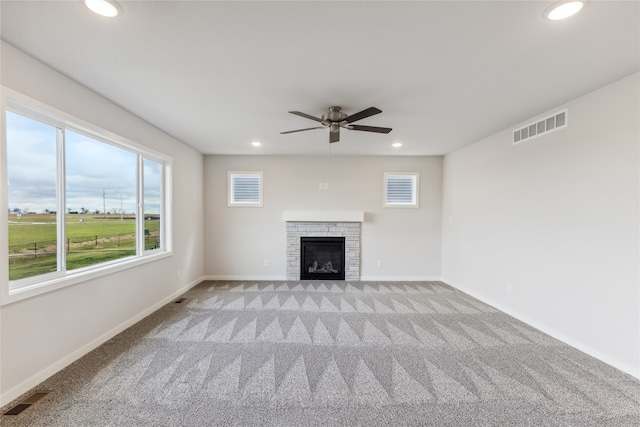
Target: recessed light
{"x":564,"y":10}
{"x":107,"y":8}
{"x":256,"y":143}
{"x":396,"y":144}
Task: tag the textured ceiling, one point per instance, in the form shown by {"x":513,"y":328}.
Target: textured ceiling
{"x":218,"y":75}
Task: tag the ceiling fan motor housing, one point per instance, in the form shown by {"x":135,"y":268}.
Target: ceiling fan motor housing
{"x":335,"y":115}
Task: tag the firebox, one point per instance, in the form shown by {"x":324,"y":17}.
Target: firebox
{"x":322,"y":258}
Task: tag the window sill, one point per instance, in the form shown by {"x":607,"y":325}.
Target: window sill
{"x":30,"y":291}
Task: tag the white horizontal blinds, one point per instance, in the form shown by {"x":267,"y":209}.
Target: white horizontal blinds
{"x":400,"y":189}
{"x":245,"y":188}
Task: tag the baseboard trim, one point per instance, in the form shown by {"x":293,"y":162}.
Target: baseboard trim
{"x":247,"y":278}
{"x":363,"y":278}
{"x":36,"y":379}
{"x":624,"y":367}
{"x":400,"y":278}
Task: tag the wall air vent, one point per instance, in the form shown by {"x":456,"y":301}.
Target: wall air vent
{"x":541,"y":126}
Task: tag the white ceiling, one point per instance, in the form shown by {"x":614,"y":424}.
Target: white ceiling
{"x":218,"y":75}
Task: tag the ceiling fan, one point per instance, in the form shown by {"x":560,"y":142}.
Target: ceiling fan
{"x":336,"y":119}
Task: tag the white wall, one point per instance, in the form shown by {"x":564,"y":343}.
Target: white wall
{"x":556,"y":219}
{"x":406,"y":240}
{"x":42,"y":334}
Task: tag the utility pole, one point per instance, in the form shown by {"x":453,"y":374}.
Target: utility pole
{"x":104,"y":204}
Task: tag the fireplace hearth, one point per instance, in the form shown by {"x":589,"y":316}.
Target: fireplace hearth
{"x":322,"y":258}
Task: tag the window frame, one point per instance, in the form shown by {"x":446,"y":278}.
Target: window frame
{"x":230,"y":189}
{"x":415,"y":203}
{"x":15,"y":290}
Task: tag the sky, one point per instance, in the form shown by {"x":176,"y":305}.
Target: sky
{"x":99,"y":176}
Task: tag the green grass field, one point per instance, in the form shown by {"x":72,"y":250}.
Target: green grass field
{"x":90,"y":239}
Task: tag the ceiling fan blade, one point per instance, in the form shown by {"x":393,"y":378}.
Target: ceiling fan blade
{"x":300,"y":130}
{"x":305,"y":115}
{"x":370,"y":128}
{"x":334,"y":136}
{"x":362,"y":114}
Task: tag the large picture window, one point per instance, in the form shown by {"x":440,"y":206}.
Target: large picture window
{"x":76,"y":199}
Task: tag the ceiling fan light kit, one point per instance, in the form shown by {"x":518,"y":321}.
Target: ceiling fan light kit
{"x":335,"y":119}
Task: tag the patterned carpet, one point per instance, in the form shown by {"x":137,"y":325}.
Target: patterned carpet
{"x":334,"y":353}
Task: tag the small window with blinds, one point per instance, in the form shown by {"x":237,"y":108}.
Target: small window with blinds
{"x":401,"y":189}
{"x":245,"y":189}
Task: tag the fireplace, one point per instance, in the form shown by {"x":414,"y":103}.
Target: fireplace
{"x":345,"y":224}
{"x":322,"y":258}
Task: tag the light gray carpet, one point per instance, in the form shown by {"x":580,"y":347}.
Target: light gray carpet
{"x":334,"y":353}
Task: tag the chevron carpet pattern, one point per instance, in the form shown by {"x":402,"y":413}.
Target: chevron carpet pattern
{"x":334,"y":353}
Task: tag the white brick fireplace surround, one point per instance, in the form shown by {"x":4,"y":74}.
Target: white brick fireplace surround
{"x":324,"y":224}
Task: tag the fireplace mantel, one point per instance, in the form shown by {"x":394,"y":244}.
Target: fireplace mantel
{"x":323,"y":216}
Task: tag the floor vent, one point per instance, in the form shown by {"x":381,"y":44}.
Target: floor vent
{"x":180,"y":300}
{"x":541,"y":126}
{"x":35,"y":397}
